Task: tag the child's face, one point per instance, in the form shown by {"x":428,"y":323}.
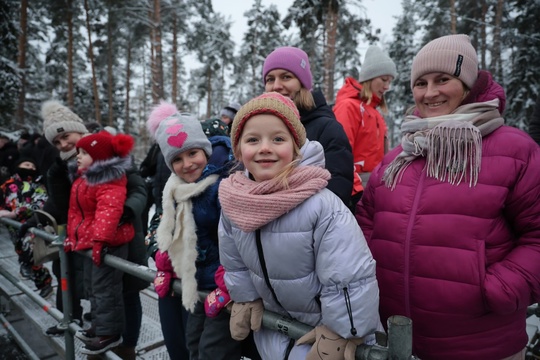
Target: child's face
{"x":27,"y":165}
{"x":84,"y":160}
{"x":189,"y":164}
{"x":266,"y":146}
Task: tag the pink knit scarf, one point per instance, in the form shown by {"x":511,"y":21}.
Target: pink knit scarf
{"x":251,"y":205}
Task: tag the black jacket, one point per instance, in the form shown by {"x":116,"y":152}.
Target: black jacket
{"x":321,"y":125}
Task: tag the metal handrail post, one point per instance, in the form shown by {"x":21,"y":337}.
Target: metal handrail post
{"x":66,"y":288}
{"x":399,"y":337}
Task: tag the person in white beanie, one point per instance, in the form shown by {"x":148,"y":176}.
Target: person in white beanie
{"x":451,"y":215}
{"x":356,"y":109}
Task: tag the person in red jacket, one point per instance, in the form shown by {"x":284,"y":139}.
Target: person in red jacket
{"x":356,"y":109}
{"x":96,"y":205}
{"x":451,"y":215}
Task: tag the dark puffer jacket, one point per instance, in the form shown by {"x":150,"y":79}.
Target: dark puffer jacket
{"x":321,"y":125}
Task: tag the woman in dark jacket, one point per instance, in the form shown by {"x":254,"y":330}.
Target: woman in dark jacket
{"x":286,"y":71}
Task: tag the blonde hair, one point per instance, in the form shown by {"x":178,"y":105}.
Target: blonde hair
{"x":367,"y":95}
{"x":304,"y":100}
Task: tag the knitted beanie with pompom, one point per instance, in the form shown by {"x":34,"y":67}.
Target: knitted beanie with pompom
{"x":176,"y":132}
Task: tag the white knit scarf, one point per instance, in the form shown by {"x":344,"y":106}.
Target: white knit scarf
{"x":177,"y":235}
{"x":451,"y":144}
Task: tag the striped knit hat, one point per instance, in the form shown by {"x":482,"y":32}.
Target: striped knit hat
{"x":451,"y":54}
{"x":270,"y":103}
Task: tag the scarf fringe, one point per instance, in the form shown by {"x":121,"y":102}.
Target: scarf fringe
{"x":452,"y":143}
{"x":454,"y":153}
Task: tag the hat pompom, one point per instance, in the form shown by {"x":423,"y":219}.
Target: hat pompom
{"x":49,"y":107}
{"x":158,"y":114}
{"x":122,"y":144}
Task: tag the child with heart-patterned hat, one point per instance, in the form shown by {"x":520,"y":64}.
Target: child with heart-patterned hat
{"x":186,"y":237}
{"x":176,"y":132}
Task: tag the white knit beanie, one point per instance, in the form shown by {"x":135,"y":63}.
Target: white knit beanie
{"x":58,"y":119}
{"x":376,"y":63}
{"x":451,"y":54}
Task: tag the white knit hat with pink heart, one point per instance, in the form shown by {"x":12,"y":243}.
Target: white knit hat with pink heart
{"x":176,"y":132}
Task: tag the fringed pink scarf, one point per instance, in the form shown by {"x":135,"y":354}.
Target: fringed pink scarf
{"x":251,"y":205}
{"x":451,"y":144}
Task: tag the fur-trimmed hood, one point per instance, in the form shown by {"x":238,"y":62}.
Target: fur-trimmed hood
{"x":103,"y":171}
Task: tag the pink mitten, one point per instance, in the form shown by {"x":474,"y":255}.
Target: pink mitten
{"x":162,"y":283}
{"x":215,"y":301}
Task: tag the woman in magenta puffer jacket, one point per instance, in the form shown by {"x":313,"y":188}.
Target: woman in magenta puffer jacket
{"x":452,"y":215}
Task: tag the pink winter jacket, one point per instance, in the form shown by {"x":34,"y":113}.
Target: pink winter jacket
{"x":462,"y":262}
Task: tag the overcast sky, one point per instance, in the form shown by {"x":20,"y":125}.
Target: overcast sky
{"x":381,"y":13}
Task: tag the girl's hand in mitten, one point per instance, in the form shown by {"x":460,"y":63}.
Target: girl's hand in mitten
{"x":215,"y":301}
{"x":326,"y":341}
{"x":245,"y":317}
{"x":162,"y":283}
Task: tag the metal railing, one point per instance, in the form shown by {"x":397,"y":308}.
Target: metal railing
{"x":396,"y":345}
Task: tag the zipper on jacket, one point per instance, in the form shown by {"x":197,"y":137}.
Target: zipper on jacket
{"x":414,"y":209}
{"x":82,"y":217}
{"x":349,"y":310}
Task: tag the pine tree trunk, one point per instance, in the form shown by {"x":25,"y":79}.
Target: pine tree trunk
{"x":155,"y":99}
{"x":174,"y":79}
{"x":127,"y":123}
{"x":91,"y":57}
{"x":483,"y":35}
{"x":453,"y":16}
{"x":110,"y":69}
{"x":496,"y":67}
{"x":70,"y":99}
{"x":330,"y":53}
{"x":21,"y":61}
{"x":158,"y":61}
{"x":208,"y":91}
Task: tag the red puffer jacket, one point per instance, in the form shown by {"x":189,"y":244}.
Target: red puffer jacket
{"x":365,"y":128}
{"x":96,"y":205}
{"x":462,"y":262}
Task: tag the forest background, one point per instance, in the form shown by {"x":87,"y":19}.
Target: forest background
{"x":112,"y":60}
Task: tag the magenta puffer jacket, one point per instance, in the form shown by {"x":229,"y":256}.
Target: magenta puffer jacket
{"x":462,"y":262}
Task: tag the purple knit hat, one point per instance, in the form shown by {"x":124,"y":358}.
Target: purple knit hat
{"x":451,"y":54}
{"x":291,"y":59}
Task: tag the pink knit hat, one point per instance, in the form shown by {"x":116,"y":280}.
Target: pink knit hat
{"x":291,"y":59}
{"x":270,"y":103}
{"x":451,"y":54}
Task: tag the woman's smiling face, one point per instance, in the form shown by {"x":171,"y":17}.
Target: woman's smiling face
{"x":437,"y":94}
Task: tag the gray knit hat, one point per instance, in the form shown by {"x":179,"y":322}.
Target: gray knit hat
{"x":58,"y":119}
{"x":451,"y":54}
{"x":230,"y":110}
{"x":176,"y":132}
{"x":376,"y":63}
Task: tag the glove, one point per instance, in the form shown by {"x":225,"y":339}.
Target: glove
{"x":215,"y":301}
{"x":162,"y":283}
{"x":98,"y":251}
{"x":326,"y":341}
{"x":68,"y":245}
{"x":31,"y":222}
{"x":245,"y":317}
